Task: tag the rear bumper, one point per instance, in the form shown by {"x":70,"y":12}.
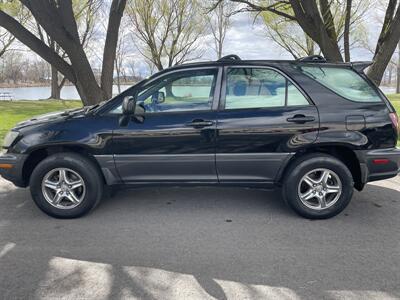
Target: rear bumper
{"x":372,"y":170}
{"x":11,"y":166}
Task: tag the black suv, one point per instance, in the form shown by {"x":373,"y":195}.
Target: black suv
{"x":315,"y":128}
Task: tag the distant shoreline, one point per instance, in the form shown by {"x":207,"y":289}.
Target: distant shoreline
{"x":4,"y":85}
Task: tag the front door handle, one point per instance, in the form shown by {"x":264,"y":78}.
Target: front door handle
{"x":301,"y":119}
{"x":200,"y":123}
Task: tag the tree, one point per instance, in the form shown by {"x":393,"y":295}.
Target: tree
{"x":387,"y":41}
{"x":346,"y":32}
{"x":167,"y":31}
{"x":6,"y":39}
{"x":16,"y":10}
{"x":13,"y":66}
{"x":398,"y":70}
{"x":58,"y":20}
{"x":121,"y":54}
{"x":85,"y":13}
{"x":288,"y":35}
{"x":220,"y":22}
{"x":345,"y":19}
{"x":316,"y":18}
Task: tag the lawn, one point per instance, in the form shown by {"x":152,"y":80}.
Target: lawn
{"x":12,"y":112}
{"x":395,"y":99}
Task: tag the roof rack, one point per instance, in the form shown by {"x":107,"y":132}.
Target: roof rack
{"x":312,"y":58}
{"x":229,"y":57}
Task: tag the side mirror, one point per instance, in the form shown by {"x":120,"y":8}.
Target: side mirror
{"x":158,"y":97}
{"x":128,"y":106}
{"x":131,"y":110}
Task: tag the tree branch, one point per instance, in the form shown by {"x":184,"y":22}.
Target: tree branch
{"x":36,"y":45}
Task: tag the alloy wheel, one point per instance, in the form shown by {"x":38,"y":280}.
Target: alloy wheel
{"x":63,"y":188}
{"x":319,"y":189}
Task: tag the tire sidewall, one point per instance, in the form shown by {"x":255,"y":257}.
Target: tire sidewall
{"x":297,"y":172}
{"x":77,"y":163}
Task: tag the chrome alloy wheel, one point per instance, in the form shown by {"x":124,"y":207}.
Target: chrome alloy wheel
{"x":63,"y":188}
{"x":319,"y":189}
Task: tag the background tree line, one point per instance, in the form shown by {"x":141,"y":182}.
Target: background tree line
{"x":95,"y":43}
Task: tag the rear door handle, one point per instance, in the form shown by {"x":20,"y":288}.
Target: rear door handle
{"x":301,"y":119}
{"x":200,"y":123}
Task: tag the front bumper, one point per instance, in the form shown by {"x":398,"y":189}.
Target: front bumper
{"x":11,"y":168}
{"x":373,"y":169}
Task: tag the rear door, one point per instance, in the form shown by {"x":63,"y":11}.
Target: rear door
{"x":263,"y":119}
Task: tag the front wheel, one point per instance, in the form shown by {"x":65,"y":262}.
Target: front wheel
{"x":318,"y":186}
{"x":66,"y":185}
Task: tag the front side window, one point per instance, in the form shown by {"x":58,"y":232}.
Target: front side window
{"x":345,"y":82}
{"x":260,"y":88}
{"x":179,"y":91}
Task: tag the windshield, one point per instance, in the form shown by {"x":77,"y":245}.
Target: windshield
{"x":128,"y":91}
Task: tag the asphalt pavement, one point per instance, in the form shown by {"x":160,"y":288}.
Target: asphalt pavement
{"x":201,"y":243}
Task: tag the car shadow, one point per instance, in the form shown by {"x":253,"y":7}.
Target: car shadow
{"x":201,"y":242}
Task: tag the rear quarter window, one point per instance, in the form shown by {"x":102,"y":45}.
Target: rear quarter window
{"x":345,"y":82}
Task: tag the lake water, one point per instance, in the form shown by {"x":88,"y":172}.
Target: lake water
{"x":70,"y":92}
{"x":43,"y":92}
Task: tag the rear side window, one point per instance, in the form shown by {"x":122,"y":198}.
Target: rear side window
{"x":345,"y":82}
{"x":260,"y":88}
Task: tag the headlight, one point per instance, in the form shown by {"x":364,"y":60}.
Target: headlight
{"x":10,"y":138}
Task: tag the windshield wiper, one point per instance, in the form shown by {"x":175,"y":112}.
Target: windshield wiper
{"x":94,"y":106}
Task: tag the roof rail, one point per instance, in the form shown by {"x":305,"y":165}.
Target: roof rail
{"x":312,"y":58}
{"x":229,"y":57}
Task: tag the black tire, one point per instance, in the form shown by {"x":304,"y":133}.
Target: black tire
{"x":83,"y":166}
{"x":303,"y":166}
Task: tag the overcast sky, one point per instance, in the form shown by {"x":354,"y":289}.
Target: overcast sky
{"x":249,"y":41}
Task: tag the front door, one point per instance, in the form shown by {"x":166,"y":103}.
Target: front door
{"x":264,"y":118}
{"x":176,"y":141}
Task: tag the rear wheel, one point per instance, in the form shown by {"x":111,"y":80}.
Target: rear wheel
{"x":66,"y":185}
{"x":318,"y":186}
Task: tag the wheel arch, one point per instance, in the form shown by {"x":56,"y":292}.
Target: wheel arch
{"x":343,"y":153}
{"x":39,"y":154}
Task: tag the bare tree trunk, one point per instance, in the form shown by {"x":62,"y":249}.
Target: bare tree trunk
{"x":387,"y":42}
{"x":310,"y":45}
{"x":398,"y":70}
{"x":220,"y":45}
{"x":220,"y":29}
{"x":114,"y":22}
{"x":118,"y":76}
{"x":55,"y":90}
{"x":346,"y":33}
{"x":168,"y":89}
{"x":321,"y":31}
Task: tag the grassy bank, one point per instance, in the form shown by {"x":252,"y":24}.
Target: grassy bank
{"x":12,"y":112}
{"x":17,"y":111}
{"x":395,"y":99}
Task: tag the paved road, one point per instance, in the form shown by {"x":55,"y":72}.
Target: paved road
{"x":201,"y":243}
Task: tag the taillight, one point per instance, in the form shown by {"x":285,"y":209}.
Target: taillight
{"x":395,"y":120}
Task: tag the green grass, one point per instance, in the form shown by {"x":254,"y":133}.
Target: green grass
{"x":12,"y":112}
{"x":395,"y":99}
